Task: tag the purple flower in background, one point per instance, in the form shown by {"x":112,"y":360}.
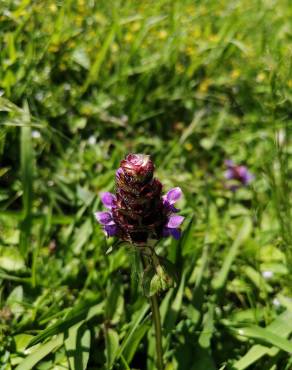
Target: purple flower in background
{"x":138,"y":212}
{"x":240,"y":174}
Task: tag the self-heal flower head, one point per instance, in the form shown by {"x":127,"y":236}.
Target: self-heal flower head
{"x":240,"y":174}
{"x":138,"y":212}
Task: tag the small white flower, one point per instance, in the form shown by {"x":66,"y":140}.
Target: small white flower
{"x":276,"y":302}
{"x":280,"y":137}
{"x":35,"y":134}
{"x":267,"y":274}
{"x":91,"y":140}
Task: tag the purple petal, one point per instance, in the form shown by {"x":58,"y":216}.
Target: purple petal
{"x":248,"y":177}
{"x":104,"y":218}
{"x":241,"y":171}
{"x":174,"y":221}
{"x":173,"y":195}
{"x":108,"y":199}
{"x":110,"y":230}
{"x":229,"y":163}
{"x":169,"y":207}
{"x":165,"y":231}
{"x":229,"y":174}
{"x":176,"y":233}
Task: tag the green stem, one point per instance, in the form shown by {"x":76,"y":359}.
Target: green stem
{"x":155,"y":314}
{"x":158,"y":334}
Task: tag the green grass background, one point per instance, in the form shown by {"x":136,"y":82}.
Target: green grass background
{"x":192,"y":83}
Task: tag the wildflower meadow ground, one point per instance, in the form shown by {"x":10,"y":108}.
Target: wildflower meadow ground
{"x":145,"y":185}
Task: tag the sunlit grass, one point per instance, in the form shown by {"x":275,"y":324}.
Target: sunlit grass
{"x":191,"y":83}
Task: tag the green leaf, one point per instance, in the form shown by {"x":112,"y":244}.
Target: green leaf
{"x":172,"y":314}
{"x":115,"y":301}
{"x":21,"y":341}
{"x":133,"y":343}
{"x":221,"y":278}
{"x":208,"y":328}
{"x":77,"y":315}
{"x":281,"y":326}
{"x":101,"y":55}
{"x":112,"y":347}
{"x":81,"y":236}
{"x":11,"y":259}
{"x":266,"y":336}
{"x":138,"y":317}
{"x":40,"y":352}
{"x":77,"y":346}
{"x":26,"y":160}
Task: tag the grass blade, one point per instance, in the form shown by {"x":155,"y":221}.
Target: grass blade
{"x":26,"y":160}
{"x":244,"y":232}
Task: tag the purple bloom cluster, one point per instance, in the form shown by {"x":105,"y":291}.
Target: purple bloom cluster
{"x":170,"y":228}
{"x":138,"y":211}
{"x":240,"y":174}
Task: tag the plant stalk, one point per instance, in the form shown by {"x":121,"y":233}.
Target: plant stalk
{"x":156,"y":320}
{"x":158,"y":332}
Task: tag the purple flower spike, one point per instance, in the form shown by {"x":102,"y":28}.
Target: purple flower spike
{"x":138,"y":212}
{"x":104,"y":218}
{"x":108,"y":199}
{"x":238,"y":173}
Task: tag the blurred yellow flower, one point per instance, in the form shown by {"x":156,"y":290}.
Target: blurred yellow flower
{"x":162,"y":34}
{"x":190,"y":50}
{"x":53,"y":7}
{"x":135,"y":26}
{"x":81,"y":3}
{"x":235,"y":73}
{"x":188,"y":146}
{"x":179,"y":68}
{"x":53,"y":48}
{"x":197,"y":32}
{"x":129,"y":37}
{"x":204,"y":85}
{"x":213,"y":38}
{"x":260,"y":77}
{"x":79,"y":20}
{"x":71,"y":44}
{"x":289,"y":83}
{"x":114,"y":47}
{"x":191,"y":10}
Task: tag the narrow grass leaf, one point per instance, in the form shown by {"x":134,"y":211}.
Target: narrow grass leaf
{"x":244,"y":232}
{"x":135,"y":324}
{"x":77,"y":315}
{"x":134,"y":342}
{"x":112,"y":346}
{"x":77,"y":346}
{"x":281,"y":326}
{"x":266,"y":336}
{"x":39,"y":353}
{"x":26,"y":161}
